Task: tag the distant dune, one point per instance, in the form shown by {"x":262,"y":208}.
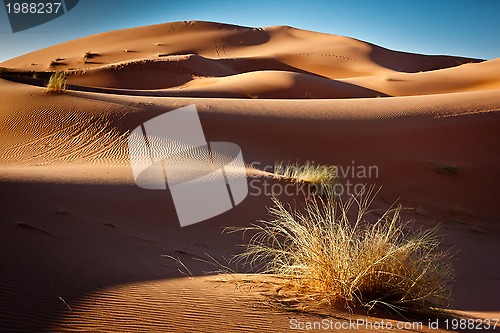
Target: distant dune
{"x":202,"y":59}
{"x":82,"y":244}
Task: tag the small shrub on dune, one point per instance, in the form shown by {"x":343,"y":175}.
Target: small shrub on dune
{"x":89,"y":55}
{"x":447,"y":169}
{"x":57,"y":82}
{"x":57,"y":62}
{"x":329,"y":253}
{"x":320,"y":177}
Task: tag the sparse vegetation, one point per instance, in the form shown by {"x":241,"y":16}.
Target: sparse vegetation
{"x":447,"y":169}
{"x":320,"y":176}
{"x":57,"y":82}
{"x":89,"y":55}
{"x":56,"y":62}
{"x":329,"y":253}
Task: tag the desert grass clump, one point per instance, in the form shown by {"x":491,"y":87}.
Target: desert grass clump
{"x":329,"y":253}
{"x":446,"y":169}
{"x":322,"y":178}
{"x":57,"y":82}
{"x":56,"y":62}
{"x":89,"y":55}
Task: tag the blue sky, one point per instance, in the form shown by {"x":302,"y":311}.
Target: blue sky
{"x":458,"y":27}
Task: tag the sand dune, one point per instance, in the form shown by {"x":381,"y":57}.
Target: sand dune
{"x":202,"y":59}
{"x":82,"y":244}
{"x":468,"y":77}
{"x":327,"y":55}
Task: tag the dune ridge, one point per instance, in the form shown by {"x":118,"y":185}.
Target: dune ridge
{"x":205,"y":59}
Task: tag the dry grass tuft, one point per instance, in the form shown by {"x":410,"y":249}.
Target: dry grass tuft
{"x":57,"y":82}
{"x":89,"y":55}
{"x":321,"y":177}
{"x":329,"y":254}
{"x":449,"y":170}
{"x":57,"y":62}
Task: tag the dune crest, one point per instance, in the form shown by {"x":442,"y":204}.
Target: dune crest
{"x":205,"y":59}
